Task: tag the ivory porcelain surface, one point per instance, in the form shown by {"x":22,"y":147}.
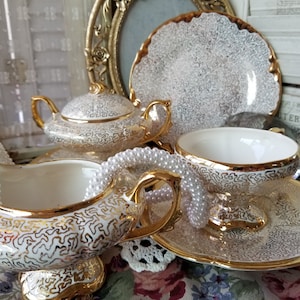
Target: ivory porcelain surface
{"x":235,"y":163}
{"x":211,"y":66}
{"x":238,"y":146}
{"x":47,"y":221}
{"x":134,"y":20}
{"x":237,"y":158}
{"x":46,"y":186}
{"x":101,"y":121}
{"x":275,"y":246}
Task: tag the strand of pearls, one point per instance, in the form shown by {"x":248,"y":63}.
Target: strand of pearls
{"x":195,"y":196}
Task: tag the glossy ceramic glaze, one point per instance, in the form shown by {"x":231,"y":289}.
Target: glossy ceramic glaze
{"x":211,"y":66}
{"x":227,"y":156}
{"x":100,"y":121}
{"x":47,"y":223}
{"x":275,"y":246}
{"x":235,"y":162}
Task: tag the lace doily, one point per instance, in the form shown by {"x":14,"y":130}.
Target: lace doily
{"x":146,"y":255}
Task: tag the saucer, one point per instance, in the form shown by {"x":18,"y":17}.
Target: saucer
{"x":210,"y":66}
{"x":275,"y":246}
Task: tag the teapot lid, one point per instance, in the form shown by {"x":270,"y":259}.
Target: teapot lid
{"x":98,"y":105}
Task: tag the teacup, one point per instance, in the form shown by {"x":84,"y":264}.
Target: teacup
{"x":234,"y":162}
{"x":52,"y":234}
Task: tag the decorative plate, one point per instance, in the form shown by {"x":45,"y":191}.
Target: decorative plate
{"x":211,"y":66}
{"x":275,"y":246}
{"x":134,"y":20}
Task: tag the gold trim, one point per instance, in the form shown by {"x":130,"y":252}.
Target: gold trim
{"x":249,"y":266}
{"x":114,"y":35}
{"x":224,"y":263}
{"x":49,"y":213}
{"x":236,"y":167}
{"x":95,"y":51}
{"x":166,"y":104}
{"x":54,"y":110}
{"x":104,"y":120}
{"x":151,"y":179}
{"x":77,"y":289}
{"x":215,"y":5}
{"x":35,"y":109}
{"x":242,"y":25}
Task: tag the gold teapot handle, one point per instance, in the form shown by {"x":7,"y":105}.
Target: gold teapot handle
{"x":171,"y":217}
{"x":166,"y":104}
{"x":35,"y":111}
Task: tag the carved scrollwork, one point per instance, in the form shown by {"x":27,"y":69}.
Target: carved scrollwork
{"x":96,"y":52}
{"x":122,"y":4}
{"x":216,"y":5}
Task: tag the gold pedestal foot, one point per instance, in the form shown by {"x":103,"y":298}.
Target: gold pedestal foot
{"x":226,"y":215}
{"x":82,"y":278}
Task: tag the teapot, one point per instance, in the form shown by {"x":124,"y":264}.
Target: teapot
{"x":100,"y":121}
{"x":52,"y":235}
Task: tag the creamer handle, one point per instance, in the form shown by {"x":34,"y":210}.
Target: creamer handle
{"x":171,"y":217}
{"x":166,"y":104}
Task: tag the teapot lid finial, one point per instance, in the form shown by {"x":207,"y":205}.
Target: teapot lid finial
{"x":98,"y":88}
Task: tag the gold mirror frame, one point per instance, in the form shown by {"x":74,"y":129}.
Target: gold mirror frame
{"x":102,"y":49}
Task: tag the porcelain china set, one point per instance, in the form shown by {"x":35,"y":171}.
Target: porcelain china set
{"x":217,"y":184}
{"x":100,"y":121}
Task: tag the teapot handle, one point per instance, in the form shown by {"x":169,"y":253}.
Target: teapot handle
{"x":167,"y":123}
{"x":171,"y":217}
{"x":35,"y":111}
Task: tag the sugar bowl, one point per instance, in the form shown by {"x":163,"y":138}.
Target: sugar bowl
{"x":100,"y":121}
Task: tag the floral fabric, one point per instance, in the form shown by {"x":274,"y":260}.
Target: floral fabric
{"x":193,"y":281}
{"x":181,"y":280}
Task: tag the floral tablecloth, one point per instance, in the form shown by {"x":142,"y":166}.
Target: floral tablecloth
{"x":188,"y":280}
{"x":182,"y":280}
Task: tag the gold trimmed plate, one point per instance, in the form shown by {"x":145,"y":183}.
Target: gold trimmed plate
{"x":134,"y":20}
{"x":211,"y":66}
{"x":275,"y":246}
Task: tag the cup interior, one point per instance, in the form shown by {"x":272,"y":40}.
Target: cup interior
{"x":47,"y":185}
{"x":237,"y":145}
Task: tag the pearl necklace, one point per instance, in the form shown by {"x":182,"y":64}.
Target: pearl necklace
{"x":194,"y":196}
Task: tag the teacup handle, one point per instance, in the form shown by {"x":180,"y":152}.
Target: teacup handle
{"x":172,"y":216}
{"x":35,"y":110}
{"x":167,"y":122}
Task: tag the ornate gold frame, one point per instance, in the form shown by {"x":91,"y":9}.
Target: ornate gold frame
{"x":102,"y":38}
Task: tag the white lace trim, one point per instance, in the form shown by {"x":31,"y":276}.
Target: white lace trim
{"x":146,"y":255}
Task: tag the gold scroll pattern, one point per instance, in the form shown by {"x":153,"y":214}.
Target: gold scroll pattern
{"x":79,"y":279}
{"x":31,"y":244}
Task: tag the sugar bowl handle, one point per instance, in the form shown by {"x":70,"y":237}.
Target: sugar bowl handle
{"x":35,"y":110}
{"x":166,"y":104}
{"x":152,"y":178}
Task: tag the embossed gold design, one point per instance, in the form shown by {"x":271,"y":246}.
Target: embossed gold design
{"x":275,"y":246}
{"x":109,"y":124}
{"x":96,"y":52}
{"x":80,"y":279}
{"x":174,"y":213}
{"x":59,"y":240}
{"x":166,"y":124}
{"x":57,"y":252}
{"x":216,"y":5}
{"x":242,"y":168}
